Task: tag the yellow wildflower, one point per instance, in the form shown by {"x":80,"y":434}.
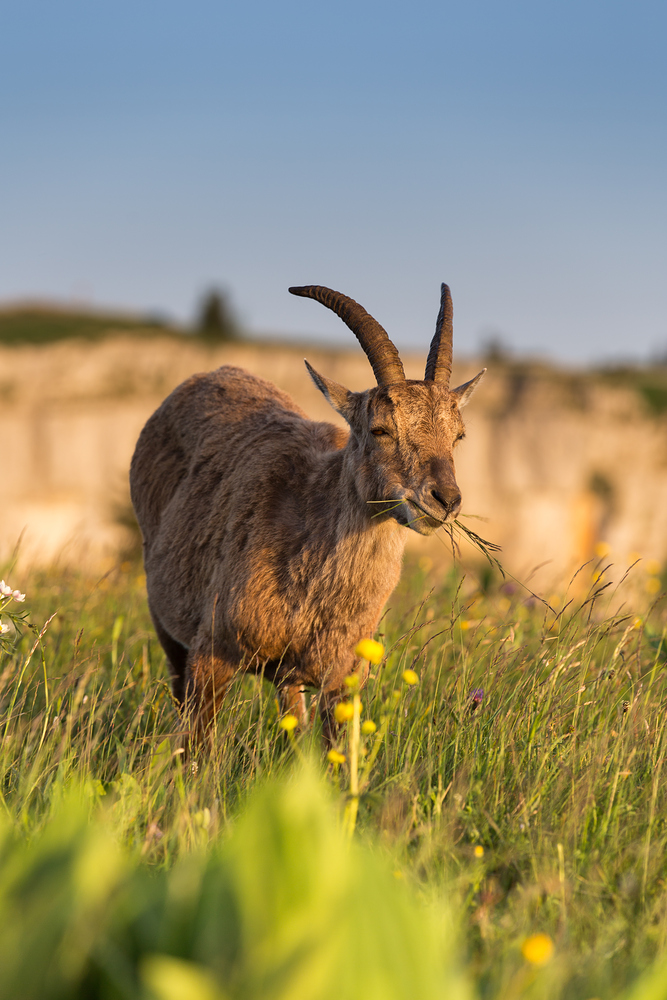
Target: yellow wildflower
{"x":288,"y":723}
{"x":335,"y":757}
{"x":537,"y":949}
{"x":369,"y":649}
{"x":368,"y":727}
{"x":344,"y":711}
{"x":410,"y":677}
{"x":352,"y":681}
{"x":479,"y":851}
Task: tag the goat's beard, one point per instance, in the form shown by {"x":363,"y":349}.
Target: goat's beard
{"x":407,"y":513}
{"x":420,"y":521}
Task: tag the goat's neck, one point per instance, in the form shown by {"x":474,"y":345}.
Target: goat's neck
{"x":353,"y":528}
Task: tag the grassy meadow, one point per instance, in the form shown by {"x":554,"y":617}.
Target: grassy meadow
{"x":511,"y":829}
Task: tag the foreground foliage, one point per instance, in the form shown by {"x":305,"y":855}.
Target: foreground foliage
{"x":280,"y":909}
{"x":513,"y":773}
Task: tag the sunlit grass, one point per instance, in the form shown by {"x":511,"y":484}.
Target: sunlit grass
{"x":509,"y":759}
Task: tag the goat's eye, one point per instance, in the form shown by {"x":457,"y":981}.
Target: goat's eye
{"x":379,"y":432}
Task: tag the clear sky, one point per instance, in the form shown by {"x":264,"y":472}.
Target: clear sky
{"x":516,"y":149}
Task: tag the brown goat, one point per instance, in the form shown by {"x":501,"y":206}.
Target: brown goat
{"x":271,"y":543}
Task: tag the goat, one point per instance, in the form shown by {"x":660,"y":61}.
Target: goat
{"x":271,"y":542}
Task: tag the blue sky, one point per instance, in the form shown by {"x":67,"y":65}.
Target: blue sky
{"x":516,"y":150}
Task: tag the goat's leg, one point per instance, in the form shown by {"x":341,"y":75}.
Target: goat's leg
{"x":293,"y":701}
{"x":177,"y":658}
{"x":208,"y":678}
{"x":330,"y":728}
{"x":330,"y":697}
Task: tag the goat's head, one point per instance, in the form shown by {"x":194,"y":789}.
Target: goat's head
{"x":403,"y":432}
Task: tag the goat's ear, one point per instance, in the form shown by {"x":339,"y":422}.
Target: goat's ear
{"x":465,"y":391}
{"x":337,"y":394}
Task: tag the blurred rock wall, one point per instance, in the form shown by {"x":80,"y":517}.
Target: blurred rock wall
{"x":563,"y":467}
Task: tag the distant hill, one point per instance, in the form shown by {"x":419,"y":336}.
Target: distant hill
{"x":43,"y":323}
{"x":46,"y":322}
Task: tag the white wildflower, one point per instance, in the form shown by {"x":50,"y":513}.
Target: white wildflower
{"x":6,"y":591}
{"x":3,"y":628}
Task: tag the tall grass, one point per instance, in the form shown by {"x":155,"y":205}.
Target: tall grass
{"x":520,"y":782}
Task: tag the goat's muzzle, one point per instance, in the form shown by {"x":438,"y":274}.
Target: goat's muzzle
{"x":449,"y":500}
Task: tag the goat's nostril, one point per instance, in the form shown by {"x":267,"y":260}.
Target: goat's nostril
{"x":449,"y":504}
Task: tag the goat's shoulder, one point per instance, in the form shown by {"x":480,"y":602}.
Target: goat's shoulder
{"x":226,"y":391}
{"x":235,"y":389}
{"x":231,"y":407}
{"x":226,"y":397}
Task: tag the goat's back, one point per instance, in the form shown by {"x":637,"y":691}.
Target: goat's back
{"x":220,"y":471}
{"x":208,"y":419}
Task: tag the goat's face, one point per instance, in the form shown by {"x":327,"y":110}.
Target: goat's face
{"x":403,"y":433}
{"x":403,"y":438}
{"x":407,"y":433}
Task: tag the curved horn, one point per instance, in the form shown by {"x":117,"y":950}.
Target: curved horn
{"x":374,"y":339}
{"x":439,"y":363}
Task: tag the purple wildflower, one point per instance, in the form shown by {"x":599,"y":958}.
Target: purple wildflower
{"x":476,"y":696}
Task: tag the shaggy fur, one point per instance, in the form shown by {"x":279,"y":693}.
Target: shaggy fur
{"x":271,"y":542}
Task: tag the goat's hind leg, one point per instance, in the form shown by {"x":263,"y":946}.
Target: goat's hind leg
{"x":208,"y":677}
{"x":177,"y":659}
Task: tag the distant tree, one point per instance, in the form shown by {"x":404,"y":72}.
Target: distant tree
{"x":215,"y":316}
{"x":494,"y":349}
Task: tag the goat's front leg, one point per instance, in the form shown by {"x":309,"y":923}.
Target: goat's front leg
{"x":330,"y":697}
{"x":328,"y":701}
{"x":293,"y":702}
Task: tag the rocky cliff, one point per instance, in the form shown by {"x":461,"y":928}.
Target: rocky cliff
{"x":563,"y":466}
